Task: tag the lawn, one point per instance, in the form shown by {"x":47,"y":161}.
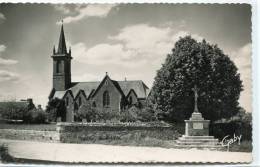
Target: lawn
{"x":19,"y":126}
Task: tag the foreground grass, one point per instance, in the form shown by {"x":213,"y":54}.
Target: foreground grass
{"x":20,"y":126}
{"x":245,"y":146}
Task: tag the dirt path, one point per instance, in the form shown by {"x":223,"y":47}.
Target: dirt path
{"x":107,"y":153}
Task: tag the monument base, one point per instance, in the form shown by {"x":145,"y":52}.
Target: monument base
{"x":197,"y":134}
{"x":196,"y":125}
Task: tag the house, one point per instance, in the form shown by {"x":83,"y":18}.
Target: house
{"x":107,"y":94}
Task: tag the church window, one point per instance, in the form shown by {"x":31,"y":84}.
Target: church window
{"x":67,"y":101}
{"x":58,"y":66}
{"x":130,"y":100}
{"x":80,"y":102}
{"x":106,"y":99}
{"x":94,"y":104}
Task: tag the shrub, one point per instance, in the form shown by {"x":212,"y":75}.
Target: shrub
{"x":146,"y":115}
{"x":35,"y":116}
{"x":13,"y":110}
{"x":130,"y":115}
{"x":55,"y":109}
{"x":4,"y":155}
{"x":220,"y":130}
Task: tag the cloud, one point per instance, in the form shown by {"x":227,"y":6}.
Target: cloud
{"x":133,"y":46}
{"x":104,"y":53}
{"x":62,"y":8}
{"x":2,"y":18}
{"x":2,"y":48}
{"x":242,"y":59}
{"x":85,"y":11}
{"x":5,"y":61}
{"x":8,"y":76}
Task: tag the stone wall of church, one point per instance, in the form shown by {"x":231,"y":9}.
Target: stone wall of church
{"x":69,"y":102}
{"x":133,"y":97}
{"x":114,"y":94}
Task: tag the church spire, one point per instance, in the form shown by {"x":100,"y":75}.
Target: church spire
{"x":62,"y":43}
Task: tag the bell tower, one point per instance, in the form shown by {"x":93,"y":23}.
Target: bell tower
{"x":61,"y":65}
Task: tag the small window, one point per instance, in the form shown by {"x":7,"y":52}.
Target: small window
{"x":80,"y":102}
{"x":130,"y":100}
{"x":58,"y":64}
{"x":106,"y":99}
{"x":67,"y":101}
{"x":94,"y":104}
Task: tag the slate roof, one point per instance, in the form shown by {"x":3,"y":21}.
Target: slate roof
{"x":124,"y":87}
{"x":138,"y":86}
{"x":87,"y":87}
{"x":59,"y":94}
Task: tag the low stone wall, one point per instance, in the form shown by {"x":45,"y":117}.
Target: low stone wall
{"x":109,"y":132}
{"x":49,"y":136}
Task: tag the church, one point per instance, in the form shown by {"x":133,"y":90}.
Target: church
{"x":106,"y":94}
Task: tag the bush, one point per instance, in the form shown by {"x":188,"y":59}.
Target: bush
{"x":35,"y":116}
{"x":220,"y":130}
{"x":107,"y":115}
{"x":55,"y":109}
{"x":4,"y":155}
{"x":13,"y":110}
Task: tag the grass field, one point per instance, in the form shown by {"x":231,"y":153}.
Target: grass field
{"x":38,"y":127}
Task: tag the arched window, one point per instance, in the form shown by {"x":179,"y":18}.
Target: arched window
{"x":80,"y":102}
{"x":94,"y":104}
{"x":58,"y":64}
{"x":67,"y":101}
{"x":106,"y":99}
{"x":130,"y":100}
{"x":76,"y":107}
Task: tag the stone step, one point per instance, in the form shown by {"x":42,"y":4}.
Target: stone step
{"x":198,"y":140}
{"x":196,"y":143}
{"x":197,"y":137}
{"x":211,"y":147}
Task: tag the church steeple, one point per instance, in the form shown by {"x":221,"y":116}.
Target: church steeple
{"x":62,"y":43}
{"x":61,"y":65}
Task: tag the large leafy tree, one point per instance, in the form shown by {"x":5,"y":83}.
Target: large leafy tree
{"x":204,"y":65}
{"x":56,"y":108}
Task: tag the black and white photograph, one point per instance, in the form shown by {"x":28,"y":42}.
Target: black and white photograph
{"x":88,"y":83}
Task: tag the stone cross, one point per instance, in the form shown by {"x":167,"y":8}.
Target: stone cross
{"x":195,"y":89}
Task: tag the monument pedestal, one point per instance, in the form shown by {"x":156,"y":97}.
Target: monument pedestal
{"x":197,"y":134}
{"x":196,"y":125}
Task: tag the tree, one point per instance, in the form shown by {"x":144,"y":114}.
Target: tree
{"x":86,"y":112}
{"x":56,"y":108}
{"x":14,"y":110}
{"x":206,"y":66}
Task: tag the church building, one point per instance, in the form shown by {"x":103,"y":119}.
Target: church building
{"x":106,"y":94}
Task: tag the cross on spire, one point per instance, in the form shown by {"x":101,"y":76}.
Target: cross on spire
{"x":195,"y":90}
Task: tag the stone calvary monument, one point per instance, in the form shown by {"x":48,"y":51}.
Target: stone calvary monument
{"x":197,"y":130}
